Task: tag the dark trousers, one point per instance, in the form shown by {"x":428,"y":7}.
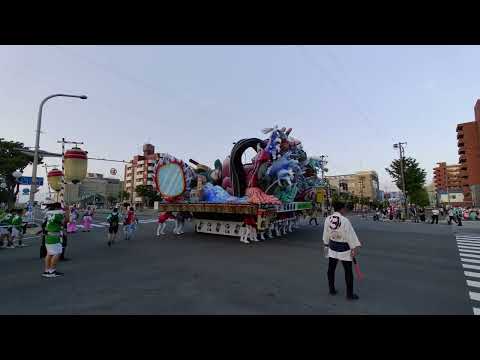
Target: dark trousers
{"x":64,"y":247}
{"x":313,"y":219}
{"x":459,"y":218}
{"x":435,"y":219}
{"x":450,"y":218}
{"x":347,"y":266}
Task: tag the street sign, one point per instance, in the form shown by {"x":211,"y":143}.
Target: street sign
{"x":113,"y":171}
{"x":26,"y":191}
{"x":27,"y":180}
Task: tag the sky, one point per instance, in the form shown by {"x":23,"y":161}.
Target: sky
{"x":348,"y":102}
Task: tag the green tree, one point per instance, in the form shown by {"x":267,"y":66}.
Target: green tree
{"x":420,"y":197}
{"x":414,"y":176}
{"x":147,"y":192}
{"x":12,"y":159}
{"x":122,"y":195}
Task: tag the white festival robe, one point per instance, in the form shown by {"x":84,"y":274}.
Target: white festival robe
{"x":338,"y":228}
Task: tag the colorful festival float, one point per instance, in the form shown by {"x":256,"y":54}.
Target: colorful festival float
{"x":270,"y":194}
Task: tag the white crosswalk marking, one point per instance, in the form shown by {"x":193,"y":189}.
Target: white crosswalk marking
{"x":469,"y":249}
{"x":473,"y":283}
{"x":472,"y":274}
{"x":474,"y":261}
{"x":466,"y":249}
{"x":473,"y":267}
{"x":474,"y":296}
{"x":470,"y":255}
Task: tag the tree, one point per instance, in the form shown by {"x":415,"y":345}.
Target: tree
{"x":414,"y":176}
{"x":420,"y":198}
{"x":111,"y":199}
{"x":122,"y":195}
{"x":11,"y":159}
{"x":148,"y":192}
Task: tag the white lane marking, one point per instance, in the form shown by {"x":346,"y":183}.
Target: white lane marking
{"x":470,"y":255}
{"x":465,"y":249}
{"x":469,"y":241}
{"x":147,"y":221}
{"x":469,"y":244}
{"x":473,"y":267}
{"x":474,"y":296}
{"x":467,"y":237}
{"x":96,"y":225}
{"x":476,"y":311}
{"x":475,"y":261}
{"x":472,"y":274}
{"x":473,"y":283}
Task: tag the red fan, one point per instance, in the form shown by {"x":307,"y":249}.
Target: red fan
{"x":357,"y":269}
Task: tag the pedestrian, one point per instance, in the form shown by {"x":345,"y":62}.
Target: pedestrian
{"x":55,"y":223}
{"x":458,"y":214}
{"x":451,"y":216}
{"x":341,"y":243}
{"x":113,"y":219}
{"x":314,"y":215}
{"x":179,"y":223}
{"x":162,"y":222}
{"x":129,"y":223}
{"x":17,"y":228}
{"x":43,"y":231}
{"x":5,"y":225}
{"x":249,"y":230}
{"x":72,"y":224}
{"x":421,"y":213}
{"x":435,"y":213}
{"x":87,"y":219}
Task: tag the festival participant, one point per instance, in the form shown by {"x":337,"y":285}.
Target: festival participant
{"x":451,"y":216}
{"x":113,"y":219}
{"x":458,"y":214}
{"x":87,"y":219}
{"x":250,"y":231}
{"x":341,"y":243}
{"x":162,"y":222}
{"x":55,"y":223}
{"x":179,"y":223}
{"x":435,"y":213}
{"x":17,"y":228}
{"x":72,"y":224}
{"x":7,"y":223}
{"x":4,"y":225}
{"x":130,"y":221}
{"x":421,"y":212}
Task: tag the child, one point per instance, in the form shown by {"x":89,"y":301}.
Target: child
{"x":162,"y":222}
{"x":113,"y":220}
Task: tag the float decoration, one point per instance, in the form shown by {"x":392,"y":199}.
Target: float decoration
{"x":75,"y":165}
{"x":54,"y":179}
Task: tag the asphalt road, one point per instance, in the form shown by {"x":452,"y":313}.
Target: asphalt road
{"x":409,"y":269}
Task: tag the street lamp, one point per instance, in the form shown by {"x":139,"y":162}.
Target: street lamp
{"x":399,"y":146}
{"x":37,"y":140}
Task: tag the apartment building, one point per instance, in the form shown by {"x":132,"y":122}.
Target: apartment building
{"x":139,"y":171}
{"x":362,"y":183}
{"x":468,"y":136}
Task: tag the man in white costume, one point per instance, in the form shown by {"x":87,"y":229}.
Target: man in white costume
{"x":341,"y":243}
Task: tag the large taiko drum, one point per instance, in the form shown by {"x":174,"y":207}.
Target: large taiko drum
{"x":75,"y":165}
{"x":54,"y":179}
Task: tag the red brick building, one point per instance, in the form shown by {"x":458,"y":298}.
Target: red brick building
{"x":468,"y":136}
{"x":447,"y":176}
{"x":139,"y":171}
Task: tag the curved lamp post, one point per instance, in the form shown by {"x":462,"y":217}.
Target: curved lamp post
{"x":37,"y":141}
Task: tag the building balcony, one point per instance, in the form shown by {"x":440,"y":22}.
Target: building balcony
{"x":459,"y":127}
{"x":461,"y":152}
{"x":462,"y":159}
{"x":141,"y":162}
{"x":460,"y":143}
{"x":459,"y":135}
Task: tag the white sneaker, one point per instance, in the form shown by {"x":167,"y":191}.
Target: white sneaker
{"x":162,"y":233}
{"x":244,"y":241}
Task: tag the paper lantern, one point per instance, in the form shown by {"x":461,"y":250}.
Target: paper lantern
{"x":75,"y":165}
{"x":169,"y":179}
{"x":54,"y":179}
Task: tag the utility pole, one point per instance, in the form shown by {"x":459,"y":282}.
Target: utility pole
{"x":399,"y":146}
{"x":323,"y":169}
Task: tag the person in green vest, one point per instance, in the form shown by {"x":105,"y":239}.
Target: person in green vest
{"x":17,"y":228}
{"x":55,"y":223}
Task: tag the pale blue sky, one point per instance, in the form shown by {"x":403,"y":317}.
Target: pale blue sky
{"x":350,"y":102}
